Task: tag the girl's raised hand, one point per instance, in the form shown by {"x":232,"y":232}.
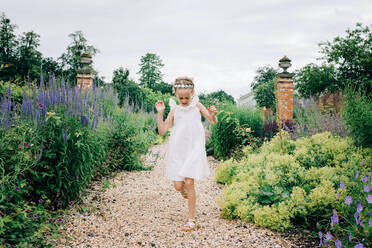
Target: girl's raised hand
{"x":212,"y":110}
{"x":160,"y":106}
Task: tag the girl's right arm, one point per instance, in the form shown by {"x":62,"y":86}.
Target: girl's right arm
{"x":163,"y":126}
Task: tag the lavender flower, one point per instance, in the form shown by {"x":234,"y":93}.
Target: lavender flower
{"x":321,"y":238}
{"x":350,"y":237}
{"x":370,"y":222}
{"x":334,"y":217}
{"x":328,"y":236}
{"x":360,"y":245}
{"x":338,"y":243}
{"x":359,"y":207}
{"x":369,"y":198}
{"x":367,"y":188}
{"x":41,"y":200}
{"x":365,"y":179}
{"x":349,"y":200}
{"x":357,"y":174}
{"x":356,"y":217}
{"x":342,"y":185}
{"x":361,"y":162}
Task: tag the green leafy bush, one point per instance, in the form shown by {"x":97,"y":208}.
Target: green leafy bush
{"x":358,"y":117}
{"x":288,"y":183}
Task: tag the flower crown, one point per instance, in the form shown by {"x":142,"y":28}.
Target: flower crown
{"x":184,"y":86}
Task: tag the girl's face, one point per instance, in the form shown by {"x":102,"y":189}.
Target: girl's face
{"x":184,"y":96}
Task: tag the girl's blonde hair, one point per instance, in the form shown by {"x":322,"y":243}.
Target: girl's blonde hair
{"x":187,"y":81}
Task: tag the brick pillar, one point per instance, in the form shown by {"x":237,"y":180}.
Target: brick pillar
{"x":285,"y":96}
{"x":84,"y":74}
{"x":285,"y":91}
{"x":84,"y":81}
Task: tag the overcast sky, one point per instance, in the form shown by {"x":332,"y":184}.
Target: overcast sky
{"x":219,"y":43}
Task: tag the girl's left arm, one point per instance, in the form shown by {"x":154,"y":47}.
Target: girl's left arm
{"x":209,"y":114}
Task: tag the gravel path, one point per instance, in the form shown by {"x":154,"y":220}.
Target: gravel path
{"x":144,"y":210}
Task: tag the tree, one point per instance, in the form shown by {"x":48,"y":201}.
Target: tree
{"x":51,"y":67}
{"x":312,"y":80}
{"x":126,"y":87}
{"x":352,"y":56}
{"x":29,"y":58}
{"x":71,"y":58}
{"x":264,"y":75}
{"x":8,"y":49}
{"x":263,"y":87}
{"x":150,"y":74}
{"x":163,"y":87}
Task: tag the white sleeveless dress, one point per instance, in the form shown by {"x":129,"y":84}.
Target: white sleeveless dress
{"x":186,"y":155}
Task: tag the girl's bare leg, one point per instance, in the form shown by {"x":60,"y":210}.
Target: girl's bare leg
{"x":178,"y":185}
{"x":189,"y":183}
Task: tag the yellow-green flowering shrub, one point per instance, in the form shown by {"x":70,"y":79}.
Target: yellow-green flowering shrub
{"x":290,"y":183}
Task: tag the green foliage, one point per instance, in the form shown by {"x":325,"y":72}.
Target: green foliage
{"x":216,"y":98}
{"x":131,"y":135}
{"x":353,"y":56}
{"x":17,"y":91}
{"x":235,"y":129}
{"x":70,"y":59}
{"x":150,"y":74}
{"x":288,"y":183}
{"x":358,"y":117}
{"x":263,"y":87}
{"x":312,"y":80}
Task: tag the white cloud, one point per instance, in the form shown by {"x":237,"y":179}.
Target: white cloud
{"x":219,"y":43}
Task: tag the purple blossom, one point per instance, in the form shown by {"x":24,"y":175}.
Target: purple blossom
{"x":334,"y":217}
{"x":17,"y":188}
{"x":357,"y":174}
{"x":360,"y":245}
{"x":60,"y":220}
{"x":71,"y":203}
{"x":2,"y":214}
{"x":370,"y":222}
{"x":77,"y":177}
{"x":349,"y":200}
{"x":338,"y":243}
{"x":342,"y":185}
{"x":328,"y":236}
{"x":365,"y":179}
{"x":321,"y":238}
{"x":59,"y":203}
{"x":361,"y":162}
{"x":35,"y":216}
{"x":367,"y":188}
{"x":359,"y":207}
{"x":350,"y":237}
{"x":52,"y":207}
{"x":338,"y":194}
{"x":356,"y":217}
{"x":41,"y":200}
{"x":369,"y":198}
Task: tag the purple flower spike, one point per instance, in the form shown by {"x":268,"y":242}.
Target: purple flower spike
{"x":334,"y":217}
{"x":328,"y":236}
{"x":370,"y":222}
{"x":359,"y":207}
{"x":350,"y":237}
{"x":349,"y":200}
{"x":321,"y":238}
{"x":365,"y":179}
{"x":338,"y":244}
{"x":369,"y":198}
{"x":357,"y":174}
{"x":342,"y":185}
{"x":361,"y":162}
{"x":367,"y":188}
{"x":356,"y":217}
{"x":360,"y":245}
{"x":338,"y":194}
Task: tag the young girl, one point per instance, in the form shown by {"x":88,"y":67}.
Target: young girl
{"x":187,"y":160}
